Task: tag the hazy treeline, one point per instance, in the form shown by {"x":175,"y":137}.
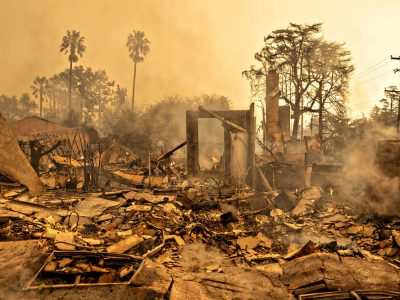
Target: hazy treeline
{"x":14,"y":108}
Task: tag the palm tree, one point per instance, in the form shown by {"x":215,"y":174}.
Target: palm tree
{"x":38,"y":89}
{"x":50,"y":91}
{"x":72,"y":44}
{"x":138,"y":47}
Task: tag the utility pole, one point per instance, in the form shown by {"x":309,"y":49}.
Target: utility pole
{"x":390,"y":92}
{"x":398,"y":100}
{"x":398,"y":108}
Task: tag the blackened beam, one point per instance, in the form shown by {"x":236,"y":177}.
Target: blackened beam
{"x":170,"y":152}
{"x":224,"y":121}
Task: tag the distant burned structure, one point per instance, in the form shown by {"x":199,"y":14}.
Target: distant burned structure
{"x":239,"y":141}
{"x":25,"y":128}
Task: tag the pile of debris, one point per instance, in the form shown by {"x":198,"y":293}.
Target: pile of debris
{"x":257,"y":230}
{"x":119,"y":220}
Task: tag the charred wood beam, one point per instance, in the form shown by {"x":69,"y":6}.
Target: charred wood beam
{"x":170,"y":152}
{"x":192,"y":139}
{"x":223,"y":120}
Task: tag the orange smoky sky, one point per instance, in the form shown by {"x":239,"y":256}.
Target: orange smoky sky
{"x":196,"y":46}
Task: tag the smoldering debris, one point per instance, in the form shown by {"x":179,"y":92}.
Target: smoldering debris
{"x":366,"y":185}
{"x":116,"y":218}
{"x":159,"y":227}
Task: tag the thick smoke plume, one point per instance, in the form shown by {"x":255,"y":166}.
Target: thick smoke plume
{"x":365,"y":186}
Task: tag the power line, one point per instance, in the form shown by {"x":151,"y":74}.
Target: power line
{"x":368,"y":80}
{"x":368,"y":71}
{"x":381,"y":61}
{"x":366,"y":91}
{"x":357,"y":104}
{"x":398,"y":111}
{"x":375,"y":66}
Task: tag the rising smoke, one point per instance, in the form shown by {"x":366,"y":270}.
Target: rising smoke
{"x":365,"y":186}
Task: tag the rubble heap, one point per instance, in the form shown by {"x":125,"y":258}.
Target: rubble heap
{"x":262,"y":231}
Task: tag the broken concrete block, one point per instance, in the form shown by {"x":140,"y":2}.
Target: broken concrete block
{"x":14,"y":163}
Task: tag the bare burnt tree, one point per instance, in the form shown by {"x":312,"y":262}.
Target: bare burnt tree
{"x":331,"y":69}
{"x":289,"y":51}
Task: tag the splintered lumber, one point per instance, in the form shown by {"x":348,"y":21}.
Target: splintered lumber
{"x":66,"y":161}
{"x":156,"y":181}
{"x":170,"y":152}
{"x":226,"y":122}
{"x":132,"y":179}
{"x":264,"y":181}
{"x":129,"y":178}
{"x":14,"y":163}
{"x":125,"y":244}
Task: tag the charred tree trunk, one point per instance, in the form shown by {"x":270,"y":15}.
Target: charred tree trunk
{"x":133,"y":88}
{"x":70,"y":89}
{"x":320,"y":122}
{"x":398,"y":116}
{"x":81,"y":111}
{"x":54,"y":103}
{"x":50,"y":107}
{"x":99,"y":116}
{"x":41,"y":101}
